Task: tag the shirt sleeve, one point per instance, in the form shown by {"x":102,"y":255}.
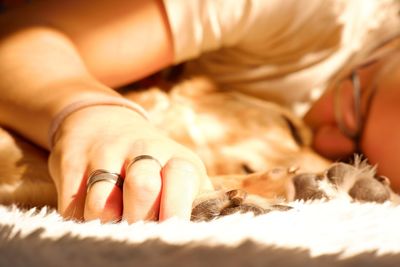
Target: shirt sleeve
{"x":206,"y":25}
{"x":200,"y":26}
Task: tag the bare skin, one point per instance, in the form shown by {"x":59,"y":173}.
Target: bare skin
{"x":50,"y":59}
{"x":47,"y":62}
{"x":379,"y":139}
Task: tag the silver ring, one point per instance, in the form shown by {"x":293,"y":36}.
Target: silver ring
{"x":101,"y":175}
{"x":142,"y":157}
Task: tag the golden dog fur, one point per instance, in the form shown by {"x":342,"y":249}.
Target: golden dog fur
{"x":231,"y":132}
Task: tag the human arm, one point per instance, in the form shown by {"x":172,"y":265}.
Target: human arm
{"x":74,"y":54}
{"x":54,"y":53}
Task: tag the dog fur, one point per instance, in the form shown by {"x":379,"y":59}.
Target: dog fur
{"x":257,"y":153}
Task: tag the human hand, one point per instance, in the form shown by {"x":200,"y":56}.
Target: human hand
{"x":109,"y":138}
{"x":329,"y":140}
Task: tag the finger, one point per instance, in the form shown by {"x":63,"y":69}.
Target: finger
{"x":142,"y":188}
{"x":104,"y":198}
{"x":104,"y":201}
{"x":68,"y":172}
{"x":181,"y":180}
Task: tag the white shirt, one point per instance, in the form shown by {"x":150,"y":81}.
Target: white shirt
{"x":285,"y":51}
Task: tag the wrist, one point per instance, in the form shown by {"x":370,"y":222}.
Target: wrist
{"x":79,"y":105}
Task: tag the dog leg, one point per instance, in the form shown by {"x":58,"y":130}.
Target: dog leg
{"x":357,"y":181}
{"x":216,"y":204}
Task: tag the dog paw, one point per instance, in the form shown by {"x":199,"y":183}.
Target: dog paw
{"x":307,"y":187}
{"x":358,"y":181}
{"x":371,"y":190}
{"x":257,"y":210}
{"x":220,"y":203}
{"x":338,"y":171}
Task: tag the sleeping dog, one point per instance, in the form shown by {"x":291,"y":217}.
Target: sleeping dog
{"x":257,"y":154}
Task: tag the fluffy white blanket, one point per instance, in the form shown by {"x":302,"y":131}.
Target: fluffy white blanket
{"x":335,"y":233}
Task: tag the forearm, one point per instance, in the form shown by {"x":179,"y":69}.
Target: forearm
{"x":48,"y":61}
{"x":40,"y":73}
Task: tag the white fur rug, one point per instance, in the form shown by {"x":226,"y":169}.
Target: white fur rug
{"x":335,"y":233}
